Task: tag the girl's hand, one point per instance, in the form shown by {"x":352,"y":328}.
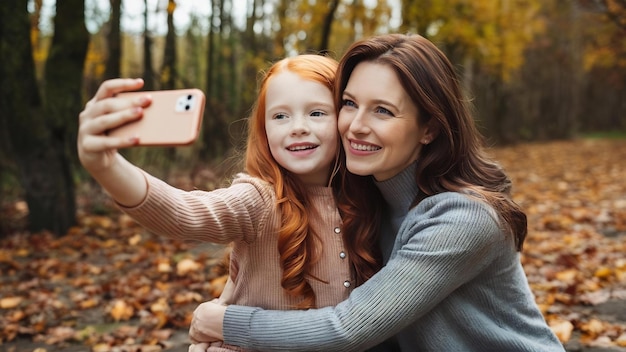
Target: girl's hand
{"x":206,"y":323}
{"x":103,"y":112}
{"x":124,"y":182}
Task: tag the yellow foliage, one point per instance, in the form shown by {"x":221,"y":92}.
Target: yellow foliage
{"x":120,"y":310}
{"x":494,"y":33}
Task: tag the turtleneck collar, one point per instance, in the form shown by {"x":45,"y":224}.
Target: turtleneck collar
{"x":400,"y":190}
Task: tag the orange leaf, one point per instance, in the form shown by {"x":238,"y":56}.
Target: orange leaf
{"x":121,"y":310}
{"x":10,"y":302}
{"x":562,"y":329}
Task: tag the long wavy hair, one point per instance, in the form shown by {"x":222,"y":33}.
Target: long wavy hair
{"x":296,"y":238}
{"x":456,"y":159}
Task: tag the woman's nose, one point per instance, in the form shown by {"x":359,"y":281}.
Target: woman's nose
{"x":359,"y":124}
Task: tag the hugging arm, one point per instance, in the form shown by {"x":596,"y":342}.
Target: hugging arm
{"x":426,"y":269}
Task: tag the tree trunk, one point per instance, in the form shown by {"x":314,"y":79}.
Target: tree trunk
{"x":43,"y":173}
{"x":148,"y":74}
{"x":215,"y":103}
{"x":168,"y":71}
{"x":113,"y":62}
{"x":327,"y":26}
{"x":62,"y":94}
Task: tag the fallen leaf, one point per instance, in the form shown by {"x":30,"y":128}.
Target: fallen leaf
{"x":121,"y":310}
{"x":186,"y":266}
{"x":10,"y":302}
{"x":562,"y":329}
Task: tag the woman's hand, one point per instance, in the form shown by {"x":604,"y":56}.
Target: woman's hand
{"x":98,"y":152}
{"x":198,"y":347}
{"x":103,"y":112}
{"x":206,"y":323}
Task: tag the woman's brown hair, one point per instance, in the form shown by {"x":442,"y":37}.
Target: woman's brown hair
{"x":296,"y":238}
{"x":456,"y":159}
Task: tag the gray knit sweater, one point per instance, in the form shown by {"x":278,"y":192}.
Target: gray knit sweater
{"x":453,"y":282}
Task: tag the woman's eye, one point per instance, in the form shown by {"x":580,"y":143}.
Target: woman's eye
{"x":349,"y":103}
{"x":381,"y":110}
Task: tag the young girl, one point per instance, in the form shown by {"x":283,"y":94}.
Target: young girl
{"x":291,"y":249}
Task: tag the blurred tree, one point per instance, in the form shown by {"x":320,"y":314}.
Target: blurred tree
{"x":39,"y":133}
{"x":487,"y":40}
{"x":114,"y":57}
{"x":326,"y":26}
{"x":148,"y":71}
{"x":604,"y":50}
{"x":614,"y":10}
{"x":168,"y":69}
{"x":62,"y":87}
{"x":218,"y":83}
{"x":544,"y":98}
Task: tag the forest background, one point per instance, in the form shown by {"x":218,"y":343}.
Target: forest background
{"x":538,"y":71}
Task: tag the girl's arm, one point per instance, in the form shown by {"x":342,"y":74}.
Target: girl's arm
{"x":98,"y":152}
{"x":220,"y":216}
{"x":425,"y":270}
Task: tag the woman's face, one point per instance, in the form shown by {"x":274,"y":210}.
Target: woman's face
{"x":301,"y":126}
{"x":378,"y":123}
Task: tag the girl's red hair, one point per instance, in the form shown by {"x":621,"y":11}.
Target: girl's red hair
{"x":296,"y":238}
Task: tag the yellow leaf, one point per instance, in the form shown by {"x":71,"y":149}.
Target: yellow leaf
{"x":134,"y":240}
{"x":89,"y":303}
{"x":10,"y":302}
{"x":562,"y":329}
{"x":621,"y":340}
{"x":164,"y":267}
{"x":186,"y":266}
{"x":101,"y":347}
{"x":593,"y":328}
{"x":603,"y":273}
{"x":567,"y":276}
{"x":160,"y":306}
{"x":121,"y":310}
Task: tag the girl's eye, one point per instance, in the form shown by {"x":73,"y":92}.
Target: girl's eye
{"x":318,"y":113}
{"x":381,"y":110}
{"x":280,"y":116}
{"x":349,"y":103}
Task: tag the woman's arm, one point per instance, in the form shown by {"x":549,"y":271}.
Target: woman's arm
{"x":439,"y":239}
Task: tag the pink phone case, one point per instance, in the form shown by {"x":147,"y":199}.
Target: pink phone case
{"x":174,"y":118}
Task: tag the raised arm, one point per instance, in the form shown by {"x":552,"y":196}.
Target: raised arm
{"x":224,"y":215}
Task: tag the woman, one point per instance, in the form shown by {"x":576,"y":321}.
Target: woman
{"x":451,"y":236}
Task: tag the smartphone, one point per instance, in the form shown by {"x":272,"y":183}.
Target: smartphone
{"x":173,"y":119}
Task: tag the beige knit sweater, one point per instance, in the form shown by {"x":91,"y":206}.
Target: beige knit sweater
{"x":246,"y":215}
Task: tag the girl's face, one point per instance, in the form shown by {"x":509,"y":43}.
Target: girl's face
{"x":378,"y":123}
{"x":301,"y":126}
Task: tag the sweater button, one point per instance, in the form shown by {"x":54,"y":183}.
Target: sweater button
{"x":346,"y":284}
{"x":342,"y":255}
{"x":337,"y":230}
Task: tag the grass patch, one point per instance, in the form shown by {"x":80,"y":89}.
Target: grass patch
{"x":605,"y":135}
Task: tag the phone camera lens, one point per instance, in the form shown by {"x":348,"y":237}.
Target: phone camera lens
{"x":187,"y":107}
{"x":189,"y":97}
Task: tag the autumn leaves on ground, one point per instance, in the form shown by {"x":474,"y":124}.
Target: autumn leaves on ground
{"x":110,"y":286}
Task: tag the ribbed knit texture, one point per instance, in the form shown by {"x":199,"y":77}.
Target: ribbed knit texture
{"x":453,"y":282}
{"x":246,"y":214}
